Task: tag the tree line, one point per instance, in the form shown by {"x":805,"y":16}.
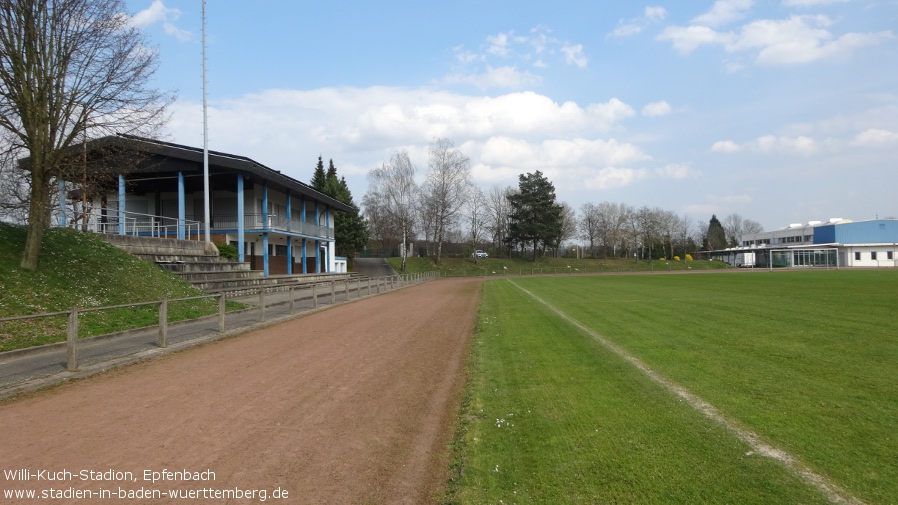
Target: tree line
{"x":527,"y":219}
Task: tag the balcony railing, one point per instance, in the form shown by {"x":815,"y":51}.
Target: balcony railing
{"x":105,"y":220}
{"x":270,"y":222}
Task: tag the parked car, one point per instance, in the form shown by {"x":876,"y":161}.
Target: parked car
{"x":479,"y":254}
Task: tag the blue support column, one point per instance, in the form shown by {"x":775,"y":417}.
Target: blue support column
{"x":305,"y":269}
{"x":241,"y":236}
{"x":61,"y":219}
{"x":317,"y":242}
{"x":302,"y":217}
{"x":266,"y":226}
{"x":289,"y":237}
{"x":182,"y":206}
{"x":121,"y":204}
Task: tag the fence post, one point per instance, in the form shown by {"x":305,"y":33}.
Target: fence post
{"x":369,"y":286}
{"x":261,"y":304}
{"x":333,"y":292}
{"x":221,"y":313}
{"x":72,"y":341}
{"x":315,"y":295}
{"x":292,"y":300}
{"x":163,"y":323}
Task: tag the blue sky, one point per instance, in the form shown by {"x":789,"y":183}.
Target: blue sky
{"x":782,"y":111}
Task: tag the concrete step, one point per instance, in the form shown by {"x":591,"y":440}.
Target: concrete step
{"x":194,"y":277}
{"x":219,"y":266}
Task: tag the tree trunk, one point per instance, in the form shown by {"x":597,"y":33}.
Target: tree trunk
{"x":37,"y":208}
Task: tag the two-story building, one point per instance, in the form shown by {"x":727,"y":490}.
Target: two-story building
{"x":153,"y":188}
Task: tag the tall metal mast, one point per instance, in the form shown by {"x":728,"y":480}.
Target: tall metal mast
{"x":205,"y":137}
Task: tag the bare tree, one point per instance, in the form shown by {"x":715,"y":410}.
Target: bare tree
{"x":498,"y":207}
{"x":750,"y":226}
{"x":589,"y":225}
{"x":476,"y":214}
{"x":62,"y":61}
{"x":395,"y":192}
{"x":568,"y":229}
{"x":616,"y":232}
{"x":732,"y":225}
{"x":446,"y":186}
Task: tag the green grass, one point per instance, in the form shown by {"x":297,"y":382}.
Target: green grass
{"x":806,"y":359}
{"x":498,"y":267}
{"x":80,"y":270}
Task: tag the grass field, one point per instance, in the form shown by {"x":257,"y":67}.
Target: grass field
{"x":807,"y":360}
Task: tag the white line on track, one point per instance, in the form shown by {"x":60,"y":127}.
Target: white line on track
{"x":832,"y":491}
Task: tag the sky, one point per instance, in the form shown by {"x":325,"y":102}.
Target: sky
{"x":781,"y":111}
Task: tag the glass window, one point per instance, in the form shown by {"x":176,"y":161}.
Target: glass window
{"x":873,"y":255}
{"x":857,"y":256}
{"x":889,"y":255}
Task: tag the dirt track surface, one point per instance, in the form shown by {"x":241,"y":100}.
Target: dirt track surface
{"x":350,"y":405}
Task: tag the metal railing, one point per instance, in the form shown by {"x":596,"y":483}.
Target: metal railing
{"x":107,"y":221}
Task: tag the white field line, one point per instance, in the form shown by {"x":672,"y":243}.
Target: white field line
{"x":832,"y":491}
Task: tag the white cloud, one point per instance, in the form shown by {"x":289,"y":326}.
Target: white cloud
{"x":811,"y":3}
{"x":537,"y":50}
{"x":573,"y":55}
{"x":499,"y":44}
{"x":655,"y":13}
{"x":614,"y":178}
{"x":723,"y":12}
{"x":655,"y":109}
{"x":157,"y":12}
{"x":798,"y":39}
{"x":637,"y":25}
{"x":726,"y":146}
{"x":689,"y":38}
{"x":875,"y":138}
{"x":677,"y":171}
{"x":801,"y":145}
{"x":362,"y":127}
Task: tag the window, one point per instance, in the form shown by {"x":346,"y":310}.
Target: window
{"x":873,"y":255}
{"x":889,"y":255}
{"x":857,"y":256}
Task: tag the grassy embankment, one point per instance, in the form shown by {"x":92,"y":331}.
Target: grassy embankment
{"x":493,"y":267}
{"x":806,"y":359}
{"x":80,"y":270}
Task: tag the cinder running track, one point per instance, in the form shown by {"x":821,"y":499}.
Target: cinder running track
{"x":350,"y":405}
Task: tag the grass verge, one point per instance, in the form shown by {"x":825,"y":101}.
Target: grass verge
{"x":80,"y":270}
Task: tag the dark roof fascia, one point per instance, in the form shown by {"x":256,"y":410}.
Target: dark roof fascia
{"x":227,"y":161}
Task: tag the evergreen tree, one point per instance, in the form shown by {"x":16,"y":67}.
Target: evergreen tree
{"x":716,"y":237}
{"x":535,"y":215}
{"x":319,"y":178}
{"x":350,"y":229}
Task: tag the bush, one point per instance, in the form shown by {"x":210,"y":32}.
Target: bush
{"x":676,"y":258}
{"x":227,"y":251}
{"x":688,"y":257}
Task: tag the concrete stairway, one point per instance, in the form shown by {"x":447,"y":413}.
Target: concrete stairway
{"x":199,"y":264}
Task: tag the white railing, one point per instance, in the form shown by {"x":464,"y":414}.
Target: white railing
{"x":107,"y":221}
